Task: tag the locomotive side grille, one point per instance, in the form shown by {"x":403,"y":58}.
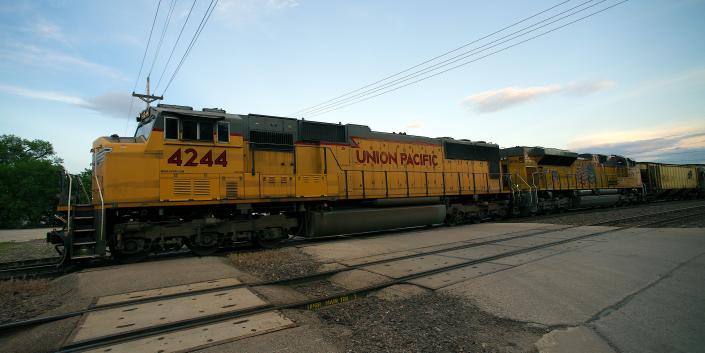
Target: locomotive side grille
{"x":274,"y":141}
{"x":182,"y":187}
{"x":231,"y":189}
{"x":317,"y":132}
{"x":201,"y":187}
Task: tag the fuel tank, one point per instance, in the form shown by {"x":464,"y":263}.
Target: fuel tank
{"x":373,"y":219}
{"x":596,"y":200}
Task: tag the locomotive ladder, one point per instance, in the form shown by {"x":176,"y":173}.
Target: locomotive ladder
{"x":83,"y":235}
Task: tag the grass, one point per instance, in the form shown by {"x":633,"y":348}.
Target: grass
{"x":23,"y":250}
{"x":6,"y":245}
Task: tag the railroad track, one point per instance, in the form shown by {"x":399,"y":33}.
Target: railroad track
{"x":587,"y":211}
{"x":641,"y":220}
{"x":32,"y":268}
{"x":658,"y":218}
{"x":48,"y":267}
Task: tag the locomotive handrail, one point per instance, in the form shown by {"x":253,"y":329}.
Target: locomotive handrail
{"x":83,"y":187}
{"x":68,"y":206}
{"x":102,"y":201}
{"x":531,"y":199}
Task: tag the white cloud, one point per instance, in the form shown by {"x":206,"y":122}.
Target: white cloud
{"x":109,"y":104}
{"x":43,"y":95}
{"x":495,"y":100}
{"x":55,"y":60}
{"x":695,"y":76}
{"x":415,"y":125}
{"x":48,"y":30}
{"x":283,"y":4}
{"x":671,"y":144}
{"x":114,"y":104}
{"x":239,"y":12}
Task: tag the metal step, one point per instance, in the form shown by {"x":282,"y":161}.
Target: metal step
{"x":82,"y":217}
{"x":84,"y":243}
{"x":83,"y":230}
{"x":84,"y":257}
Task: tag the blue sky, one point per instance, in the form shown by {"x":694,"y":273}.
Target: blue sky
{"x":630,"y":80}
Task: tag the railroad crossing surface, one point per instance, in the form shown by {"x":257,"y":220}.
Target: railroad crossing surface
{"x":632,"y":290}
{"x":594,"y":289}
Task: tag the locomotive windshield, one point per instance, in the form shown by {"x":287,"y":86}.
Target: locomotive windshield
{"x":144,"y":129}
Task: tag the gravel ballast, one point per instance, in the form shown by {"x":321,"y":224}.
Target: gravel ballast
{"x":275,"y":264}
{"x":25,"y":299}
{"x":428,"y":322}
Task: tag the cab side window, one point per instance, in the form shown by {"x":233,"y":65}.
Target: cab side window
{"x":171,"y":128}
{"x":205,"y":131}
{"x":189,"y":130}
{"x":192,"y":130}
{"x":223,"y":132}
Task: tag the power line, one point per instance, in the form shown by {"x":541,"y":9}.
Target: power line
{"x":460,"y":57}
{"x":469,"y":62}
{"x":201,"y":25}
{"x":341,"y":105}
{"x":174,"y":47}
{"x":436,"y":57}
{"x":161,"y":38}
{"x":132,"y":100}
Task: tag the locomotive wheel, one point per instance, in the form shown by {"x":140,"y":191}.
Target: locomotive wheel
{"x":133,"y":250}
{"x":204,"y":244}
{"x":270,"y":238}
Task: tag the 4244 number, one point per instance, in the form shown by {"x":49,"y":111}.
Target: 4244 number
{"x":191,"y":155}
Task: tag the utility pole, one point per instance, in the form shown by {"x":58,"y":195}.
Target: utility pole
{"x":147,"y":98}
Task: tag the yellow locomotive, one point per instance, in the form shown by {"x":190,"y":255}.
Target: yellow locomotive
{"x":206,"y":179}
{"x":554,"y":180}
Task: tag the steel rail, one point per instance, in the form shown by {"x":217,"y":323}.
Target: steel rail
{"x":311,"y":277}
{"x":465,"y":244}
{"x":195,"y":322}
{"x":28,"y":262}
{"x":298,"y":279}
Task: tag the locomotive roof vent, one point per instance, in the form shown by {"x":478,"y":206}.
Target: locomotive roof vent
{"x":213,"y":110}
{"x":173,"y":106}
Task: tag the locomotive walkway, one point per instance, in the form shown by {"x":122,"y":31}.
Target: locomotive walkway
{"x":596,"y":288}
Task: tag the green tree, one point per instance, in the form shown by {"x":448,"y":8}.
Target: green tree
{"x":30,"y":173}
{"x":86,"y":177}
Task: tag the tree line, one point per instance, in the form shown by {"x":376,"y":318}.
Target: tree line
{"x":30,"y":182}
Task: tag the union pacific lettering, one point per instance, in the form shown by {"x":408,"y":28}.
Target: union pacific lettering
{"x":377,"y":157}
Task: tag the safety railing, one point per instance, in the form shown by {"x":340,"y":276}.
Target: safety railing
{"x":100,"y":194}
{"x":480,"y":182}
{"x":71,"y":196}
{"x":533,"y":192}
{"x":551,"y":181}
